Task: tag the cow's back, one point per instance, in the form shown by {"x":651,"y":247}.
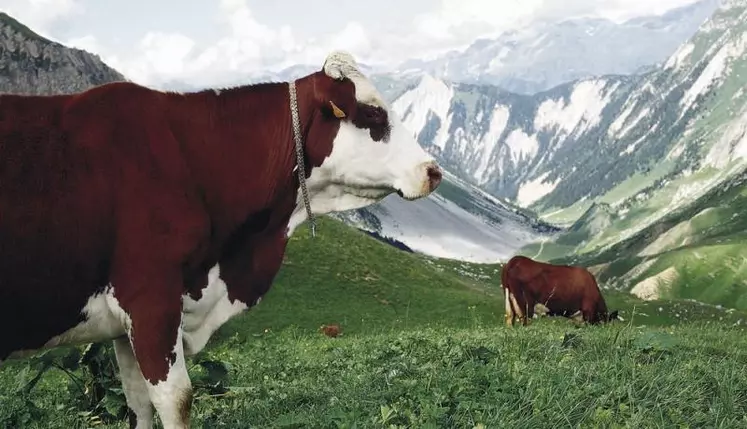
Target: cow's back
{"x":57,"y":213}
{"x":572,"y":283}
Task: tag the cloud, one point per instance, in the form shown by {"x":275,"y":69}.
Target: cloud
{"x":621,"y":10}
{"x":87,"y":43}
{"x":246,"y":47}
{"x":41,"y":15}
{"x":459,"y":21}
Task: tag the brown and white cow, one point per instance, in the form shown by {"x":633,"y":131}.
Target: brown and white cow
{"x":563,"y":290}
{"x":151,"y":218}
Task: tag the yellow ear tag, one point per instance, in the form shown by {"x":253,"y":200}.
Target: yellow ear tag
{"x":337,"y":111}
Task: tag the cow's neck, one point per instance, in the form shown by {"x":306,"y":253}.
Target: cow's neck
{"x":235,"y":138}
{"x":245,"y":133}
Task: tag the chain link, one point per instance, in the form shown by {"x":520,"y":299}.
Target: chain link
{"x":300,"y":165}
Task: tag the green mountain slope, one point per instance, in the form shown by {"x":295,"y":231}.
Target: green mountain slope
{"x":343,"y":276}
{"x":696,"y":252}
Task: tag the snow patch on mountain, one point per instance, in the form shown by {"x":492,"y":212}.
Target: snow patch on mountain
{"x":459,"y":222}
{"x":716,"y":68}
{"x":620,"y":121}
{"x":438,"y":227}
{"x":430,"y":97}
{"x":533,"y":190}
{"x":628,"y":127}
{"x":631,"y":147}
{"x":488,"y":142}
{"x":521,"y":145}
{"x":622,"y":126}
{"x":581,"y":112}
{"x":680,"y":56}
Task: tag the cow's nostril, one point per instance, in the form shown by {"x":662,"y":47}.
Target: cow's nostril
{"x":434,"y":176}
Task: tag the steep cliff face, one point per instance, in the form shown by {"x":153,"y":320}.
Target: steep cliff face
{"x":515,"y":146}
{"x":31,"y":64}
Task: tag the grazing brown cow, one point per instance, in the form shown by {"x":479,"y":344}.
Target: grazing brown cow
{"x":563,"y":290}
{"x":151,"y":218}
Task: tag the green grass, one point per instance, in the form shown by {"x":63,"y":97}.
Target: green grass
{"x":343,"y":276}
{"x":424,"y":345}
{"x":618,"y":377}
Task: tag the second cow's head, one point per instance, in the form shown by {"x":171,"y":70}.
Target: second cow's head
{"x":372,"y":153}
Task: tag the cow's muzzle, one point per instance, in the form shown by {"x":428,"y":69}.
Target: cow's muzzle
{"x":434,"y":173}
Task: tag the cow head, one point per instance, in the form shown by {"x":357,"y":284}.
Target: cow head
{"x":613,"y":316}
{"x":372,"y":155}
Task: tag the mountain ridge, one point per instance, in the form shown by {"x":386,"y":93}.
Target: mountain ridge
{"x":32,"y":64}
{"x":553,"y":52}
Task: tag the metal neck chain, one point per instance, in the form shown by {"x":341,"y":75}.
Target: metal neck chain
{"x":300,"y":165}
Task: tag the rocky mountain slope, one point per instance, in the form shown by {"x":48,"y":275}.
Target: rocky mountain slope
{"x":31,"y":64}
{"x":514,"y":146}
{"x":543,"y":55}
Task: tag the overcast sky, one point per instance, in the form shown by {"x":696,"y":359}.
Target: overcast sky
{"x":206,"y":42}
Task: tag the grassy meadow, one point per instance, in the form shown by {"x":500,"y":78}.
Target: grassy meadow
{"x":423,"y":346}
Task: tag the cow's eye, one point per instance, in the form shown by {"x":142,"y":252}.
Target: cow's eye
{"x":373,"y":118}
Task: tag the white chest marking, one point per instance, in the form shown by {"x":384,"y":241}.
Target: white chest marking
{"x":201,"y":318}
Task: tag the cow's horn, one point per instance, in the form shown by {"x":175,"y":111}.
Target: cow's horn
{"x":336,"y":110}
{"x":339,"y":65}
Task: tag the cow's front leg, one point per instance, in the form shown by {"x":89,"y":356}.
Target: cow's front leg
{"x":156,"y":340}
{"x":151,"y":299}
{"x":161,"y":229}
{"x":169,"y":387}
{"x":529,"y":304}
{"x":133,"y":385}
{"x":509,"y":316}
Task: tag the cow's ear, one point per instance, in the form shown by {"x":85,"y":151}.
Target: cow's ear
{"x":339,"y":113}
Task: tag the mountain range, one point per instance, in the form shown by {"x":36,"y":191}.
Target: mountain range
{"x":546,"y":54}
{"x":606,"y":137}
